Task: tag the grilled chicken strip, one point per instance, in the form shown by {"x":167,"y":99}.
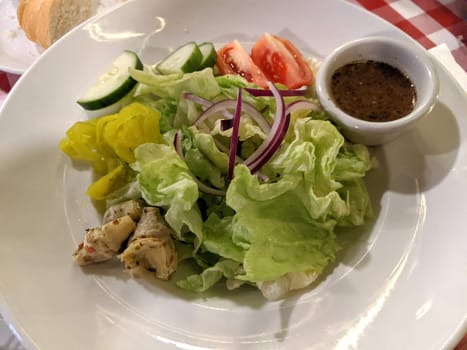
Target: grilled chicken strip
{"x":151,"y":224}
{"x":101,"y":243}
{"x":93,"y":249}
{"x":117,"y":231}
{"x":151,"y":246}
{"x":131,"y":207}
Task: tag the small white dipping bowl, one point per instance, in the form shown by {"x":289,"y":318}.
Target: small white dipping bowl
{"x":410,"y":59}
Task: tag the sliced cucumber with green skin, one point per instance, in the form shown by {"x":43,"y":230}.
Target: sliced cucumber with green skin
{"x":209,"y":55}
{"x":113,"y":85}
{"x":185,"y":59}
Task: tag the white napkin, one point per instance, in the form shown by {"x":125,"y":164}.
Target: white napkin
{"x":444,"y":56}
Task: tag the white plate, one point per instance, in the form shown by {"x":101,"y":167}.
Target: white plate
{"x":400,"y":284}
{"x":17,"y":52}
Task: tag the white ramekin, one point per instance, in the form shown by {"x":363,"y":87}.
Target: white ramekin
{"x":410,"y":59}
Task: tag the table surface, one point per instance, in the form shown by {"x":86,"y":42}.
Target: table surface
{"x":430,"y":22}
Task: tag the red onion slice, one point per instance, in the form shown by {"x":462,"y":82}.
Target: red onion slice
{"x":267,"y":92}
{"x":234,"y":138}
{"x":178,"y":144}
{"x":226,"y":124}
{"x":273,"y":147}
{"x":226,"y":150}
{"x":222,"y":107}
{"x":207,"y":189}
{"x":197,"y":99}
{"x":300,"y":105}
{"x":274,"y":138}
{"x":238,"y":159}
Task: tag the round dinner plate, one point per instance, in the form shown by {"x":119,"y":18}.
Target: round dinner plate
{"x":400,"y":281}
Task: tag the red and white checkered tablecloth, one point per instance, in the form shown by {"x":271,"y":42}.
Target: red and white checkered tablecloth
{"x":430,"y":22}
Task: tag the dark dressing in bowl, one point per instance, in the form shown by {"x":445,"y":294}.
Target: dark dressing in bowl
{"x":373,"y":91}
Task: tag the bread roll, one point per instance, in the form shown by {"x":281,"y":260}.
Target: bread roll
{"x":29,"y":16}
{"x":45,"y":21}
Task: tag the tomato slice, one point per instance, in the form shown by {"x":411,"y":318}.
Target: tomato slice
{"x":233,"y":59}
{"x":281,"y":61}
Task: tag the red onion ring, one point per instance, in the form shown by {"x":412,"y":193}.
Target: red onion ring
{"x":234,"y":138}
{"x":267,"y":92}
{"x":274,"y":138}
{"x":300,"y":105}
{"x":223,"y":107}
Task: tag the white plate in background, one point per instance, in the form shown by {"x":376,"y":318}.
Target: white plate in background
{"x":17,"y":52}
{"x":401,"y":284}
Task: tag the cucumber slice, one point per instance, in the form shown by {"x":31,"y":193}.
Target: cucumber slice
{"x":209,"y":55}
{"x":185,"y":59}
{"x":113,"y":85}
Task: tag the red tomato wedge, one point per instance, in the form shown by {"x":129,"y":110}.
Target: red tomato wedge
{"x":233,"y":59}
{"x":281,"y":62}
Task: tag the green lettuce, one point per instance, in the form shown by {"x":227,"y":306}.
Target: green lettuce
{"x":287,"y":225}
{"x":202,"y":83}
{"x":165,"y":181}
{"x":203,"y":158}
{"x":210,"y":276}
{"x":277,"y":230}
{"x":218,"y":238}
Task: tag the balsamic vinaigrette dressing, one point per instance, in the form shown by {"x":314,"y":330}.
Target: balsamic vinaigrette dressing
{"x":373,"y":91}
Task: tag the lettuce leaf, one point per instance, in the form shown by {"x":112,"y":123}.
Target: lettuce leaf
{"x":203,"y":157}
{"x":206,"y":145}
{"x":277,"y":230}
{"x":210,"y":276}
{"x":218,"y":238}
{"x":201,"y":83}
{"x":288,"y":225}
{"x":165,"y":181}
